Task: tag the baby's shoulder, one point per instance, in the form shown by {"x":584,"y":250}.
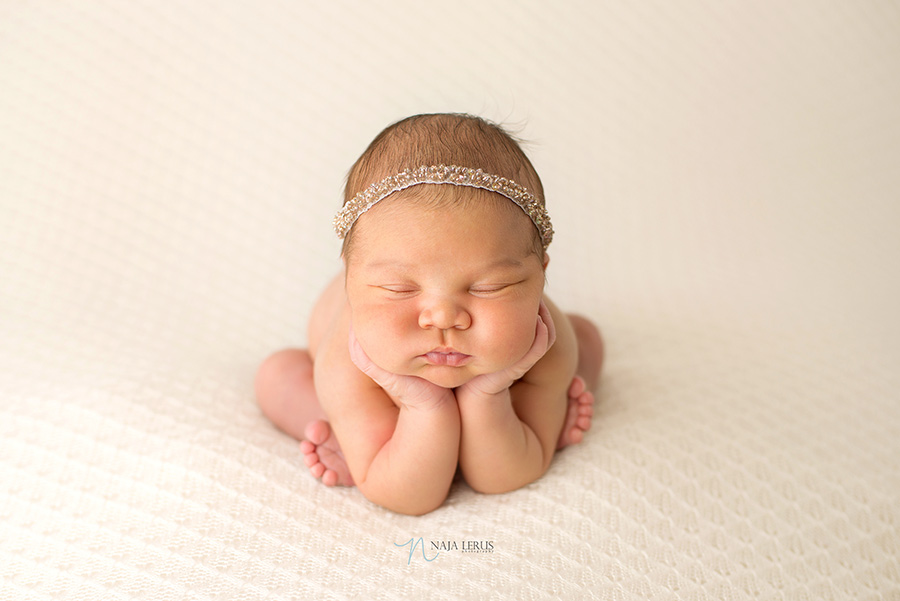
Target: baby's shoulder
{"x":337,"y":380}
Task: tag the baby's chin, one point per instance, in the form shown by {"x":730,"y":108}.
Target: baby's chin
{"x":447,"y":377}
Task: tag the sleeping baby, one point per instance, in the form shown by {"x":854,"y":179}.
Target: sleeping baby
{"x":435,"y":349}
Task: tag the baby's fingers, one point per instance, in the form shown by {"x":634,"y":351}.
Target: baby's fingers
{"x":545,"y":317}
{"x":544,"y":336}
{"x":364,"y":363}
{"x":357,"y":354}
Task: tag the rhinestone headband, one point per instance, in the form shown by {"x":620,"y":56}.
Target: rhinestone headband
{"x":443,"y":174}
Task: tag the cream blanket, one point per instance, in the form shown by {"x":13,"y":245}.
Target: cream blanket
{"x":723,"y":178}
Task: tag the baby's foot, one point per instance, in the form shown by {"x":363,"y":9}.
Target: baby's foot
{"x":323,"y":455}
{"x":578,"y":414}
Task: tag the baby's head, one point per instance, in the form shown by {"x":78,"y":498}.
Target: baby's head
{"x":445,"y":238}
{"x":410,"y":159}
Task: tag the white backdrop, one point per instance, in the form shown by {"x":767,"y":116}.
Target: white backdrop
{"x":723,"y":180}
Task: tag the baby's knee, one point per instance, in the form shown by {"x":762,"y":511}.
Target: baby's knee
{"x":280,"y":370}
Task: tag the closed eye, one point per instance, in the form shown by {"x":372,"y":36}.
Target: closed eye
{"x":398,"y":289}
{"x":489,"y":289}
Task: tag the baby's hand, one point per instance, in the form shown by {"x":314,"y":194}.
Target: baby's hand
{"x":409,"y":391}
{"x":497,"y":382}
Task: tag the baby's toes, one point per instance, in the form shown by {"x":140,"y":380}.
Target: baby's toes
{"x":583,"y":423}
{"x":586,"y":398}
{"x":329,"y":477}
{"x":310,"y":457}
{"x":317,"y":470}
{"x":577,"y":387}
{"x":317,"y":432}
{"x":576,"y":435}
{"x":585,"y":411}
{"x":586,"y":403}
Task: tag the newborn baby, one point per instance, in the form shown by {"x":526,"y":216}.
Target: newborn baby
{"x":435,"y":349}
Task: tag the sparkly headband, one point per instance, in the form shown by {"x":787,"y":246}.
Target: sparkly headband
{"x":442,"y":174}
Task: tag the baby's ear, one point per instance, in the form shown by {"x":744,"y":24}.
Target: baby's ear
{"x":546,"y":260}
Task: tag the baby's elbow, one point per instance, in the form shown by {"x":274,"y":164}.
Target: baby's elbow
{"x":413,"y":508}
{"x":418,"y":509}
{"x":494,"y":488}
{"x":414,"y":505}
{"x":498,"y":484}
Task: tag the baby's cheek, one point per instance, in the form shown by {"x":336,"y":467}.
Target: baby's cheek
{"x":368,"y":331}
{"x":381,"y":338}
{"x":524,"y":340}
{"x":511,"y":338}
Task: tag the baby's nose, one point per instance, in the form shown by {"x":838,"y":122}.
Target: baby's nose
{"x":444,"y":314}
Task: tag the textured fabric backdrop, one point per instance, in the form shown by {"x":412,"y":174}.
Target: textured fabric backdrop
{"x":723,"y":178}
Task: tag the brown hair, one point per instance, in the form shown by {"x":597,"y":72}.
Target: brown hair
{"x":442,"y":139}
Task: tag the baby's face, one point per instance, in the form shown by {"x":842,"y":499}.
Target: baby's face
{"x":445,"y":293}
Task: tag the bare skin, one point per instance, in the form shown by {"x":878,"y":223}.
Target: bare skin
{"x":484,"y":400}
{"x":581,"y":398}
{"x":286,"y":392}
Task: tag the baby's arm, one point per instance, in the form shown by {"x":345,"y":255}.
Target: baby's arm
{"x":510,"y":433}
{"x":399,"y":435}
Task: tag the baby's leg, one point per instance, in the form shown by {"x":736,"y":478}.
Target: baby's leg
{"x":287,"y":396}
{"x":581,"y":396}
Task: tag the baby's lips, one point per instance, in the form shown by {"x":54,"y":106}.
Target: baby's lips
{"x":449,"y":359}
